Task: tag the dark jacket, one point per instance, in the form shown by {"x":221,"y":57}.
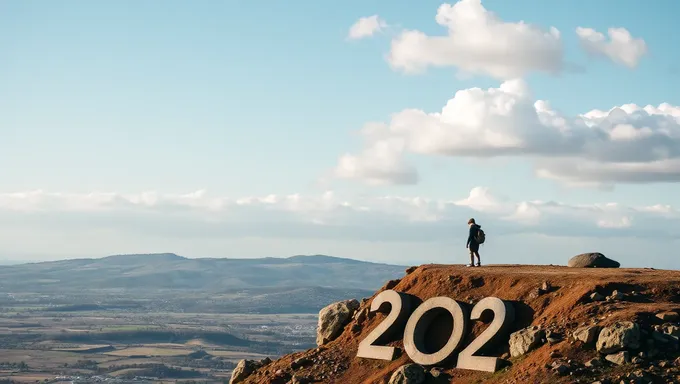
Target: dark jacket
{"x":472,"y":237}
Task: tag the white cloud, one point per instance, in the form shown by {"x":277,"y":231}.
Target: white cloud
{"x":387,"y":218}
{"x":478,"y":42}
{"x":626,"y":144}
{"x":366,"y":27}
{"x":395,"y":229}
{"x":622,"y":48}
{"x":382,"y":163}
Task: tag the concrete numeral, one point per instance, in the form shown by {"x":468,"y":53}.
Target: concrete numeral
{"x":503,"y":315}
{"x":416,"y":328}
{"x":399,"y":306}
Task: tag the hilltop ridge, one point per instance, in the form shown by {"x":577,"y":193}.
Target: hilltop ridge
{"x":557,"y":301}
{"x":172,"y":271}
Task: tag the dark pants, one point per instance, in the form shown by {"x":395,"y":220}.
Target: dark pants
{"x":474,"y":251}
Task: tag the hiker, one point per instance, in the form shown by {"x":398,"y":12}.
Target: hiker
{"x":475,"y":238}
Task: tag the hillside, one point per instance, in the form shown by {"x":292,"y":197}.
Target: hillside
{"x":170,"y":271}
{"x":627,"y":324}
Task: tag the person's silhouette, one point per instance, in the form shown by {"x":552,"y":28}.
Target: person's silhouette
{"x":472,"y":243}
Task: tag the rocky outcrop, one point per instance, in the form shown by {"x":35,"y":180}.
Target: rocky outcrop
{"x":619,"y":336}
{"x":408,"y":374}
{"x":333,"y":319}
{"x":592,"y":260}
{"x":578,"y":335}
{"x":587,"y":334}
{"x":526,"y":340}
{"x":243,"y":369}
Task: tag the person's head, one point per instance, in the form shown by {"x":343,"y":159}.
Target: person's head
{"x":471,"y":222}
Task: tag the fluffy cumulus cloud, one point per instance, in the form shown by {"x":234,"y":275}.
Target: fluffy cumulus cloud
{"x":327,"y":215}
{"x":621,"y":47}
{"x":366,"y":27}
{"x":479,"y":42}
{"x":625,"y":144}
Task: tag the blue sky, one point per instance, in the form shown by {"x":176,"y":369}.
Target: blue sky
{"x":242,"y":99}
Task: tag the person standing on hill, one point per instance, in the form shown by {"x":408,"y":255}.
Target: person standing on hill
{"x":475,"y":237}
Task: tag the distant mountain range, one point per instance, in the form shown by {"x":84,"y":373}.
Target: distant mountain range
{"x":168,"y":271}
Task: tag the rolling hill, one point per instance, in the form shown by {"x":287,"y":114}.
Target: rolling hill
{"x":170,"y":271}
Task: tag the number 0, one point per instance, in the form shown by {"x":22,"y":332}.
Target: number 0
{"x":416,"y":328}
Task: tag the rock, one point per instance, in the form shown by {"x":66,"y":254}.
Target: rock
{"x":561,"y":369}
{"x":593,"y":363}
{"x":620,"y":358}
{"x":361,"y":315}
{"x":300,"y":362}
{"x":637,"y":360}
{"x":618,"y":336}
{"x":332,"y":320}
{"x":545,"y":287}
{"x":553,"y":337}
{"x":592,"y":260}
{"x":587,"y":334}
{"x":671,"y":330}
{"x":243,"y":369}
{"x":299,"y":380}
{"x":525,"y":340}
{"x":596,"y":297}
{"x":408,"y":374}
{"x":265,"y":361}
{"x":668,"y":316}
{"x":616,"y":296}
{"x":391,"y":284}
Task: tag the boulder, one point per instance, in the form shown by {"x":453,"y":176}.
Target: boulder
{"x":408,"y":374}
{"x":668,"y":316}
{"x":592,"y":260}
{"x":596,"y":297}
{"x":587,"y":334}
{"x":619,"y":336}
{"x":620,"y":358}
{"x":525,"y":340}
{"x":243,"y":369}
{"x":333,"y":319}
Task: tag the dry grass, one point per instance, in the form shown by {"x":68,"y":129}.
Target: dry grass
{"x":150,"y":351}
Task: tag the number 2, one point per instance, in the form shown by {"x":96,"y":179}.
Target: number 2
{"x":400,"y":309}
{"x":503,"y":314}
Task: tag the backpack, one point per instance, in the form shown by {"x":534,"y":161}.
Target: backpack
{"x":480,"y":236}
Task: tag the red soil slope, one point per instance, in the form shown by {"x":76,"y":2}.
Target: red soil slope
{"x":563,"y":309}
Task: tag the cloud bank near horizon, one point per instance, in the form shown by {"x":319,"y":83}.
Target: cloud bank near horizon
{"x":328,"y":215}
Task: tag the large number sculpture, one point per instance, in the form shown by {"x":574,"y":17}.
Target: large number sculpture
{"x":415,"y":323}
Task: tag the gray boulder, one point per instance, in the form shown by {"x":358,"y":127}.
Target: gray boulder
{"x":620,"y":358}
{"x":243,"y":369}
{"x":618,"y":336}
{"x":587,"y":334}
{"x":333,"y":319}
{"x":408,"y":374}
{"x":526,"y":340}
{"x":592,"y":260}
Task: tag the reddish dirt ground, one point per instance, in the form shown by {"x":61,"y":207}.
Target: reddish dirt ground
{"x":564,"y":308}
